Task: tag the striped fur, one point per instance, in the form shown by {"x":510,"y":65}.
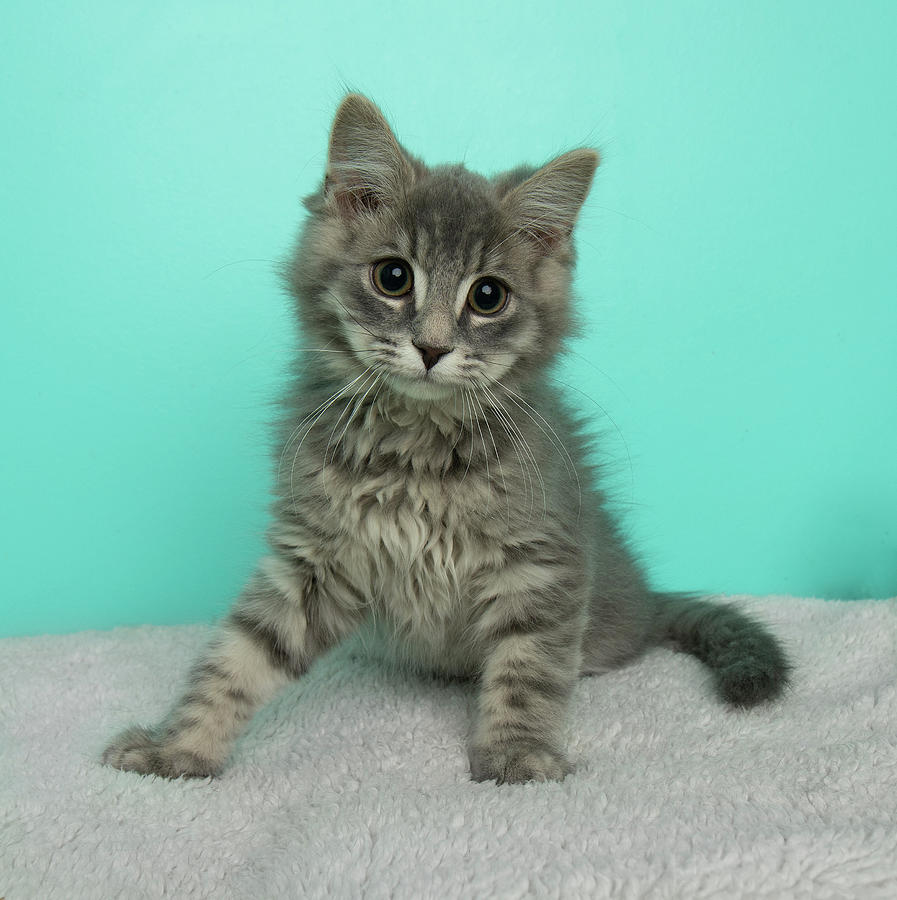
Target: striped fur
{"x":449,"y":510}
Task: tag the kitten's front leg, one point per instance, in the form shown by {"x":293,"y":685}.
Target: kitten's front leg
{"x":532,"y":665}
{"x":267,"y":639}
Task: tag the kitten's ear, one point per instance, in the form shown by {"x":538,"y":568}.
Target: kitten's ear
{"x":365,"y":164}
{"x":545,"y":206}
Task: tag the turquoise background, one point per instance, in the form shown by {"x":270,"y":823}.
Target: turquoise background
{"x":737,"y":272}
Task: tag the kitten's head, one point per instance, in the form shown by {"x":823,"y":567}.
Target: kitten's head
{"x":438,"y":278}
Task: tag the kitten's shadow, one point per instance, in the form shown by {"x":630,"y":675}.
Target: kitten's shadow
{"x":360,"y":667}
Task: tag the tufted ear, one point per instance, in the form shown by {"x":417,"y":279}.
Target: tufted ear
{"x":365,"y":164}
{"x":545,"y":206}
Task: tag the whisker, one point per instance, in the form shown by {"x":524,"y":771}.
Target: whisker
{"x":339,"y":420}
{"x":525,"y":405}
{"x":323,"y":409}
{"x":472,"y":396}
{"x":598,"y":369}
{"x":470,"y":452}
{"x":308,"y":416}
{"x":461,"y":427}
{"x":524,"y":444}
{"x":335,"y":296}
{"x":532,"y":413}
{"x":323,"y":350}
{"x":502,"y":416}
{"x":613,"y":422}
{"x":358,"y":405}
{"x":237,"y":262}
{"x":377,"y":394}
{"x":501,"y":470}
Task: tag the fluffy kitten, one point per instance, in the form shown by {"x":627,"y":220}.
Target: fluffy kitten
{"x":431,"y":483}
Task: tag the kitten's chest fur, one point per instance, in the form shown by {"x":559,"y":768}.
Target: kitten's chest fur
{"x":404,"y":512}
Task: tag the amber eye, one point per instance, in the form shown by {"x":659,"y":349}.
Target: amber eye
{"x":392,"y":277}
{"x":487,"y":296}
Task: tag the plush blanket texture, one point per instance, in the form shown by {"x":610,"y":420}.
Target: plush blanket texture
{"x":354,"y":783}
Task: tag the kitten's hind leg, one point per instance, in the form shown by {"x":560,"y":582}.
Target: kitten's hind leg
{"x":267,"y":639}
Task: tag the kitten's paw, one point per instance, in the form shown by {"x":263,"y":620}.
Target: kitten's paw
{"x":140,"y":750}
{"x":515,"y":763}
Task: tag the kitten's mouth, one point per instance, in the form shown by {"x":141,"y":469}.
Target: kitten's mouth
{"x":421,"y":388}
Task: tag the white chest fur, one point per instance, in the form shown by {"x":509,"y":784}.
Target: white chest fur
{"x":409,"y":529}
{"x":416,"y":544}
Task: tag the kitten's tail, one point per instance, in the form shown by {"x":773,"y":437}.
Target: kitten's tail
{"x":748,"y":663}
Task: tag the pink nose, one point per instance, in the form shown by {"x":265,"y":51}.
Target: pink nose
{"x":432,"y":355}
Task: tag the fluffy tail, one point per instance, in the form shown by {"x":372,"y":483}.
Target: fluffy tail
{"x":748,"y":663}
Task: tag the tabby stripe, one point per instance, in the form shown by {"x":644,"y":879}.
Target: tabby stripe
{"x":197,"y":697}
{"x":269,"y":641}
{"x":510,"y":734}
{"x":516,"y":699}
{"x":519,"y":683}
{"x":238,"y":695}
{"x":513,"y":738}
{"x":207,"y":675}
{"x":184,"y":720}
{"x":520,"y":625}
{"x":183,"y":762}
{"x":210,"y":671}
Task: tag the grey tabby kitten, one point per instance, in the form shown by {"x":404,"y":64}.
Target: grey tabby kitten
{"x":432,"y":485}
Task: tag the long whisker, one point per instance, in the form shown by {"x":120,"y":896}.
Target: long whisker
{"x":308,"y":416}
{"x":237,"y":262}
{"x":527,"y":406}
{"x":323,"y":409}
{"x":598,"y":369}
{"x":358,"y":405}
{"x":515,"y":438}
{"x":339,"y":418}
{"x":501,"y":470}
{"x":472,"y":396}
{"x":613,"y":422}
{"x":460,"y":427}
{"x":335,"y":296}
{"x":551,"y":435}
{"x":323,"y":350}
{"x":466,"y":398}
{"x":528,"y":451}
{"x":377,"y":394}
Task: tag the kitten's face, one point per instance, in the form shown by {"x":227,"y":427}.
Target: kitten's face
{"x":435,"y":290}
{"x":435,"y":279}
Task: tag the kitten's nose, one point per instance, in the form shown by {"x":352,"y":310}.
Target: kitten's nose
{"x":432,"y":355}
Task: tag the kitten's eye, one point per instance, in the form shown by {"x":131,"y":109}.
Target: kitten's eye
{"x":487,"y":296}
{"x":392,"y":277}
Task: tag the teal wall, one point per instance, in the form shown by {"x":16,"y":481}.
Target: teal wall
{"x":737,"y":271}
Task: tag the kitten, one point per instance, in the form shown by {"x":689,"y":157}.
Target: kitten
{"x":431,"y":483}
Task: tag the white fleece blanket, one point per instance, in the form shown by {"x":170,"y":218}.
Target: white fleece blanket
{"x":355,"y":784}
